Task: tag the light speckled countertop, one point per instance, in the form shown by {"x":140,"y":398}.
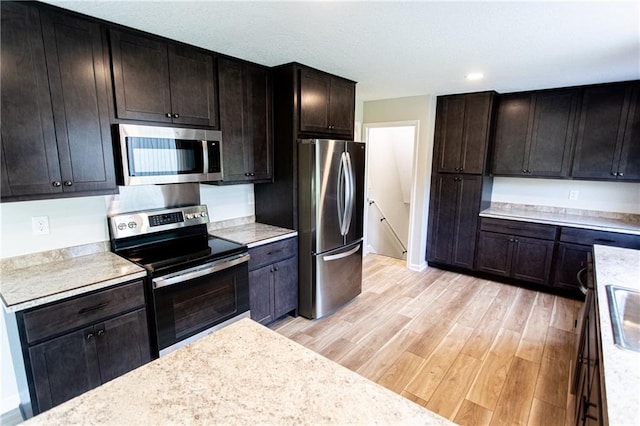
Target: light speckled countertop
{"x":243,"y":374}
{"x":254,"y":234}
{"x":601,"y":221}
{"x":621,"y":367}
{"x":37,"y":285}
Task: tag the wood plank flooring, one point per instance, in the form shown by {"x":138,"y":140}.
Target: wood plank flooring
{"x":474,"y":351}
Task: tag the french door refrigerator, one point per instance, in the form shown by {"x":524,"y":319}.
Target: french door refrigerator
{"x":330,"y":216}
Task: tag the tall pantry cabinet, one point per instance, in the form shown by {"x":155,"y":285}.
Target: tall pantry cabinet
{"x":460,"y":183}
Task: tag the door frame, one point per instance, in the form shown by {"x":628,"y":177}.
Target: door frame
{"x":412,"y":211}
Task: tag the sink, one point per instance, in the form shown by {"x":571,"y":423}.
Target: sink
{"x":624,"y":308}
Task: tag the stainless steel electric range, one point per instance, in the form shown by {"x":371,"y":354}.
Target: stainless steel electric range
{"x":196,"y":283}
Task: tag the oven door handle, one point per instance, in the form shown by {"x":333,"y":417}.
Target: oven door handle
{"x":199,"y":271}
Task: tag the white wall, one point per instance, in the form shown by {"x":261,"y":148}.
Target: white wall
{"x":77,"y":221}
{"x":602,"y":196}
{"x":389,"y":180}
{"x":422,"y":110}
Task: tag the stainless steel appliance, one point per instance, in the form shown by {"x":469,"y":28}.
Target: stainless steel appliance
{"x":160,"y":155}
{"x":196,"y":283}
{"x":330,"y":216}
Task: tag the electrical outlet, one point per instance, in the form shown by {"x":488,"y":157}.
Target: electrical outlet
{"x":40,"y":225}
{"x":573,"y":195}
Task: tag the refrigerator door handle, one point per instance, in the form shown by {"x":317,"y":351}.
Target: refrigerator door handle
{"x":341,"y":255}
{"x":350,"y":184}
{"x":342,"y":193}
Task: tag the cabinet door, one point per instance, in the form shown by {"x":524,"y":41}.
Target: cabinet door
{"x":140,"y":77}
{"x":245,"y":120}
{"x":531,"y":260}
{"x":342,"y":107}
{"x":442,"y":217}
{"x":76,"y":65}
{"x":29,"y":151}
{"x":466,"y":220}
{"x":285,"y":286}
{"x":552,"y":133}
{"x":63,"y":368}
{"x":192,"y":82}
{"x":257,"y":121}
{"x":449,"y":132}
{"x":261,"y":295}
{"x":600,"y":131}
{"x":629,"y":166}
{"x":570,"y":259}
{"x":494,"y":253}
{"x":453,"y":219}
{"x":230,"y":77}
{"x":477,"y":119}
{"x":512,"y":129}
{"x":315,"y":89}
{"x":123,"y":344}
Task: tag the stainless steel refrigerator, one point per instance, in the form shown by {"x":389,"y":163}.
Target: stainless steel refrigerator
{"x":330,"y":216}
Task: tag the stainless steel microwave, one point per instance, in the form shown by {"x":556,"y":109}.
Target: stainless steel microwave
{"x":158,"y":155}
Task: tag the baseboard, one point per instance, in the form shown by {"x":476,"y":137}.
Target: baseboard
{"x":419,"y":267}
{"x":9,"y":404}
{"x":11,"y":417}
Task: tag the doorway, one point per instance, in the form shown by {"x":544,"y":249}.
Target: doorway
{"x":389,"y":190}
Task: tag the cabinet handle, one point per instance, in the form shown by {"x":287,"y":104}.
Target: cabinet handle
{"x":620,"y":174}
{"x":275,"y":269}
{"x":100,"y":332}
{"x":89,"y":336}
{"x":56,"y":184}
{"x":614,"y":174}
{"x":68,"y":183}
{"x":168,"y":115}
{"x":176,"y":115}
{"x":92,"y":308}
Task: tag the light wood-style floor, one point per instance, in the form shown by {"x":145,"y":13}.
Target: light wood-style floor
{"x":474,"y":351}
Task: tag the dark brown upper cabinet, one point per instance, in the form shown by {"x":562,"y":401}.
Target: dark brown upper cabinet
{"x":56,"y":139}
{"x":162,"y":82}
{"x":462,"y":132}
{"x":608,"y":140}
{"x":534,"y":133}
{"x":245,"y":121}
{"x":327,"y":104}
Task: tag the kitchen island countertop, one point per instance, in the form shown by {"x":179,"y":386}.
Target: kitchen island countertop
{"x":618,"y":266}
{"x":242,"y":374}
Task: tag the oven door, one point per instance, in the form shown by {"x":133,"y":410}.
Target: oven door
{"x":192,"y":303}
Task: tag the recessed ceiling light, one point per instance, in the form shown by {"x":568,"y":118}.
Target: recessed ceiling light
{"x":474,"y":76}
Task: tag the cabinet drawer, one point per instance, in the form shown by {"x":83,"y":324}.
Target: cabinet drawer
{"x":590,"y":237}
{"x":524,"y":229}
{"x":270,"y":253}
{"x":54,"y":319}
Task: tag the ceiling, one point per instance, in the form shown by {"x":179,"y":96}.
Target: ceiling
{"x":397,"y":49}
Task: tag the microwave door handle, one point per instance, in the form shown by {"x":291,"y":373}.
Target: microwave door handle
{"x":205,"y":156}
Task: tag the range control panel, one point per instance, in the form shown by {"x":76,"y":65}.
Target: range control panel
{"x":144,"y":222}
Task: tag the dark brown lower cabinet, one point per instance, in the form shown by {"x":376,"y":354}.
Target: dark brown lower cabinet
{"x":570,"y":259}
{"x":589,"y":403}
{"x":453,"y":219}
{"x":99,"y":337}
{"x":273,"y":280}
{"x":74,"y":363}
{"x":522,"y":258}
{"x":514,"y":249}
